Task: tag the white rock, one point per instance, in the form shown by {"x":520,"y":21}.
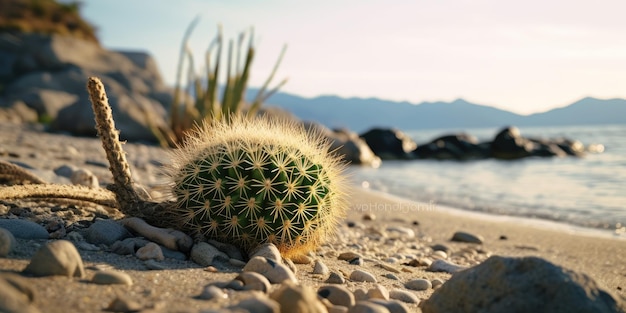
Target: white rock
{"x":362,"y":276}
{"x":419,"y":284}
{"x":378,"y":292}
{"x":367,"y":307}
{"x":111,"y":277}
{"x":445,"y":266}
{"x":268,"y":251}
{"x":404,"y":296}
{"x":84,"y":177}
{"x":151,"y":251}
{"x":254,"y":281}
{"x":56,"y":258}
{"x":320,"y":268}
{"x":337,"y":295}
{"x":273,"y":271}
{"x":404,"y":232}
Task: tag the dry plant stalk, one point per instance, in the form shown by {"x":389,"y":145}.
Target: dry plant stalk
{"x":17,"y":175}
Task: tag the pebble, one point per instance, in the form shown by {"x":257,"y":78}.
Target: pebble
{"x":205,"y":254}
{"x":362,"y":276}
{"x":445,"y":266}
{"x":24,"y":229}
{"x":320,"y":268}
{"x":378,"y":292}
{"x":254,"y":281}
{"x":347,"y":256}
{"x":123,"y":305}
{"x":440,"y":247}
{"x":56,"y":258}
{"x":111,"y":277}
{"x":301,"y":259}
{"x":439,"y":255}
{"x":84,"y":177}
{"x":237,"y":263}
{"x":337,"y":309}
{"x":173,"y":254}
{"x":467,"y":237}
{"x":360,"y":294}
{"x":128,"y":245}
{"x":392,"y":306}
{"x":367,"y":307}
{"x":436,"y":283}
{"x":404,"y":232}
{"x":337,"y":295}
{"x":256,"y":305}
{"x":106,"y":232}
{"x":65,"y":170}
{"x":268,"y":251}
{"x":356,"y":261}
{"x":230,"y":250}
{"x":273,"y":271}
{"x":16,"y":294}
{"x":290,"y":265}
{"x":154,"y":265}
{"x":335,"y":278}
{"x":419,"y":284}
{"x":151,"y":251}
{"x":369,"y":217}
{"x":392,"y":276}
{"x":83,"y":245}
{"x":298,"y":299}
{"x":211,"y":292}
{"x":404,"y":296}
{"x":7,"y":242}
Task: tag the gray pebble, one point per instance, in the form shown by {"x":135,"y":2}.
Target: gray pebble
{"x":106,"y":232}
{"x":128,"y":245}
{"x":337,"y":294}
{"x":84,"y":177}
{"x":440,"y":247}
{"x":392,"y":276}
{"x":362,"y":276}
{"x":418,"y":284}
{"x":404,"y":296}
{"x":257,"y":305}
{"x":111,"y":277}
{"x":367,"y":307}
{"x":173,"y":254}
{"x":154,"y":265}
{"x":211,"y":292}
{"x":83,"y":245}
{"x":273,"y":271}
{"x":24,"y":229}
{"x":392,"y":305}
{"x":230,"y":250}
{"x":56,"y":258}
{"x":445,"y":266}
{"x":268,"y":251}
{"x":320,"y":268}
{"x":7,"y":242}
{"x":467,"y":237}
{"x":237,"y":263}
{"x":205,"y":254}
{"x":335,"y":278}
{"x":254,"y":281}
{"x":65,"y":170}
{"x":151,"y":251}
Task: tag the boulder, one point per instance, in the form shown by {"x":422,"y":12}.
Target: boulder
{"x":453,"y":147}
{"x":49,"y":72}
{"x":509,"y":144}
{"x":529,"y":284}
{"x":346,"y":144}
{"x":389,"y":144}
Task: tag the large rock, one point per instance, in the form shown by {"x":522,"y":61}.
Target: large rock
{"x":49,"y":72}
{"x":389,"y":144}
{"x":509,"y":144}
{"x":453,"y":147}
{"x":346,"y":144}
{"x":527,"y":284}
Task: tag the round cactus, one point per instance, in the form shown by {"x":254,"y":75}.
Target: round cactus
{"x":249,"y":182}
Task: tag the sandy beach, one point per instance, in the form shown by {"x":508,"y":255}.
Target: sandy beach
{"x":175,"y":286}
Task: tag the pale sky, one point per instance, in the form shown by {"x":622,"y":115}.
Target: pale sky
{"x":522,"y":56}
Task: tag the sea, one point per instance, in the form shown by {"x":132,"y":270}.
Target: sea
{"x":587,"y":192}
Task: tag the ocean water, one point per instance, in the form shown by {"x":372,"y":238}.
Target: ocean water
{"x":588,"y":191}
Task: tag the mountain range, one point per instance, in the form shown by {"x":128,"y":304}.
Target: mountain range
{"x":360,"y":114}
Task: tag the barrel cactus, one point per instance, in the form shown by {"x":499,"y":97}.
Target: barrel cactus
{"x":255,"y":181}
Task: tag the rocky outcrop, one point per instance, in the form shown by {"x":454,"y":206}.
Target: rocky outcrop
{"x":453,"y":147}
{"x":347,"y":144}
{"x":48,"y":74}
{"x":528,"y":284}
{"x":389,"y":144}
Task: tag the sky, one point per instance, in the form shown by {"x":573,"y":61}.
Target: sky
{"x":522,"y":56}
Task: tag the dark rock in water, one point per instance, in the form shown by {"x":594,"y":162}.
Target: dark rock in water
{"x":453,"y":147}
{"x":389,"y":144}
{"x":509,"y":144}
{"x":527,"y":284}
{"x":347,"y":144}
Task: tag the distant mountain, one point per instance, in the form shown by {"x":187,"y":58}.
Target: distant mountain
{"x":360,"y":114}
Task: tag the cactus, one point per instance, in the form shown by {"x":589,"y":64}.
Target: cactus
{"x":252,"y":181}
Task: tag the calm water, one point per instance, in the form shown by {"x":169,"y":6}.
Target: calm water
{"x":588,"y":191}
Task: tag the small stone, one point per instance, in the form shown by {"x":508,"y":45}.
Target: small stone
{"x":65,"y":170}
{"x":369,"y":217}
{"x":362,"y":276}
{"x":445,"y":266}
{"x":123,"y":305}
{"x":378,"y":292}
{"x":367,"y":307}
{"x":338,"y":295}
{"x":298,"y":299}
{"x":154,"y":265}
{"x":7,"y":242}
{"x":111,"y":278}
{"x":337,"y":309}
{"x":56,"y":258}
{"x":503,"y":237}
{"x":320,"y":268}
{"x":388,"y":267}
{"x":392,"y":305}
{"x":419,"y":284}
{"x":256,"y":305}
{"x":347,"y":256}
{"x":404,"y":232}
{"x":440,"y":247}
{"x":254,"y":281}
{"x":467,"y":237}
{"x":301,"y":259}
{"x":392,"y":276}
{"x":335,"y":278}
{"x":211,"y":292}
{"x":237,"y":263}
{"x":290,"y":265}
{"x":356,"y":261}
{"x":84,"y":177}
{"x":440,"y":255}
{"x":205,"y":254}
{"x":404,"y":296}
{"x":268,"y":251}
{"x":273,"y":271}
{"x":230,"y":250}
{"x":16,"y":294}
{"x":83,"y":245}
{"x":106,"y":232}
{"x":360,"y":294}
{"x":436,"y":283}
{"x":151,"y":251}
{"x":173,"y":254}
{"x":24,"y":229}
{"x":128,"y":245}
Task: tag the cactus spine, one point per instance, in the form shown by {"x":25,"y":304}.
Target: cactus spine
{"x":255,"y":181}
